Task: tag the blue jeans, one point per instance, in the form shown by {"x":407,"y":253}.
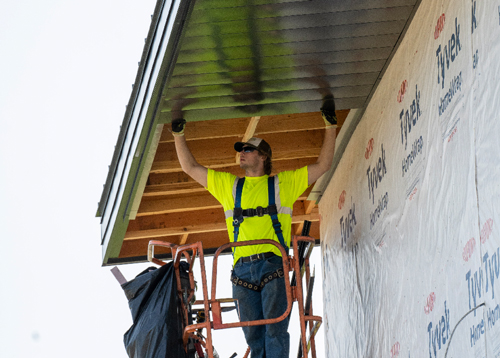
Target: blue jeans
{"x":271,"y":341}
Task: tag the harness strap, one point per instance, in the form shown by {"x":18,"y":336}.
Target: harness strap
{"x":268,"y":278}
{"x":271,"y":210}
{"x":256,"y":212}
{"x":238,"y":211}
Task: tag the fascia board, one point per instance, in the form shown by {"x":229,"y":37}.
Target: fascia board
{"x":140,"y":123}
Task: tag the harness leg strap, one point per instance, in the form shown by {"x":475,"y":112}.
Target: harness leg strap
{"x":268,"y":278}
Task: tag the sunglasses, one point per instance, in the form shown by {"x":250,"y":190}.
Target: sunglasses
{"x":248,"y":149}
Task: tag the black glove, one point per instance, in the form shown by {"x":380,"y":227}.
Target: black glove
{"x":328,"y":111}
{"x":178,"y":126}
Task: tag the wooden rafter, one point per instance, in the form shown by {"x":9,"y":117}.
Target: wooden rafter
{"x":197,"y":227}
{"x":219,"y":152}
{"x":183,"y":203}
{"x":177,"y":209}
{"x":248,"y":133}
{"x":183,"y":239}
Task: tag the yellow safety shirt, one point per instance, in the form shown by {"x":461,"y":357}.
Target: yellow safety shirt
{"x":291,"y":184}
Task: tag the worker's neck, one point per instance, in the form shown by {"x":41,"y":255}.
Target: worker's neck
{"x":254,"y":172}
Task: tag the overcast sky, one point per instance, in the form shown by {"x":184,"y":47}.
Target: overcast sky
{"x":67,"y":69}
{"x":66,"y":74}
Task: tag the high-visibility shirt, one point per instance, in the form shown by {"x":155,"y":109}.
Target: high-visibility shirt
{"x":255,"y":193}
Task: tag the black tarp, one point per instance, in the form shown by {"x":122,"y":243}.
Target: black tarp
{"x":156,"y":331}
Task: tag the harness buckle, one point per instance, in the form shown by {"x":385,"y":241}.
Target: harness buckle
{"x":272,"y":210}
{"x":260,"y":211}
{"x":237,"y":216}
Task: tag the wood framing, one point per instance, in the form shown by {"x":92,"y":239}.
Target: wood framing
{"x":176,"y":208}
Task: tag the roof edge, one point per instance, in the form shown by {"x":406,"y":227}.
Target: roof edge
{"x":130,"y":107}
{"x":141,"y":116}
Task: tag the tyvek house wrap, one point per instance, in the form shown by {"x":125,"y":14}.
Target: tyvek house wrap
{"x":410,"y":221}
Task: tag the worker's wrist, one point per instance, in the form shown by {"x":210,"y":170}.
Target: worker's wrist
{"x":330,"y":121}
{"x":329,"y":117}
{"x":178,"y":134}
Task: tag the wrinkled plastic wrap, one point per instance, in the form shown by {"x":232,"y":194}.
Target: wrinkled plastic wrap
{"x":156,"y":331}
{"x":410,"y":221}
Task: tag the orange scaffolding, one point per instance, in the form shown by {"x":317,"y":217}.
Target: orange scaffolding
{"x":213,"y":305}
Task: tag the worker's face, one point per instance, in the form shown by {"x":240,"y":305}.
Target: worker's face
{"x":250,"y":158}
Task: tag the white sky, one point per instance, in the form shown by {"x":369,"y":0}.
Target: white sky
{"x":66,"y":74}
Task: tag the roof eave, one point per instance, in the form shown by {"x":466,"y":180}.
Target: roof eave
{"x":140,"y":121}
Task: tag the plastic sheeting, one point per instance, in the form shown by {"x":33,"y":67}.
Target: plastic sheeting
{"x":156,"y":331}
{"x":410,"y":221}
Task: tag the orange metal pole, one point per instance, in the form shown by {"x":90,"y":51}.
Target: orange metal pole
{"x":286,"y":271}
{"x":197,"y":248}
{"x":313,"y":327}
{"x":209,"y":346}
{"x":213,"y":304}
{"x":312,"y":342}
{"x":300,"y":298}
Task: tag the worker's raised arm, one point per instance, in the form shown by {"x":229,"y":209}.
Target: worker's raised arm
{"x":188,"y":163}
{"x":325,"y":158}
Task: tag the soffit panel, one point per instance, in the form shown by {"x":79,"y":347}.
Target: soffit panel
{"x":263,"y":68}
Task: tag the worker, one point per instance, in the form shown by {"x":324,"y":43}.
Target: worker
{"x":251,"y":216}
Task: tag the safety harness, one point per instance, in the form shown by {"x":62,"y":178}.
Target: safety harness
{"x":271,"y":210}
{"x":238,"y":218}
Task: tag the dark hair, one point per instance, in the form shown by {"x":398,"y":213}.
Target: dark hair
{"x":268,"y":166}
